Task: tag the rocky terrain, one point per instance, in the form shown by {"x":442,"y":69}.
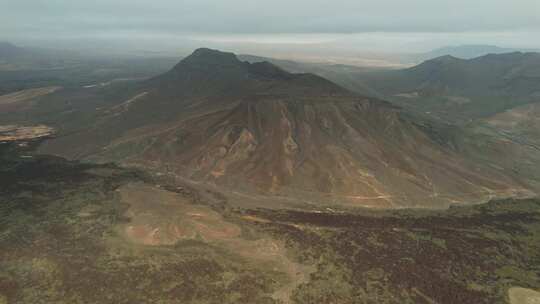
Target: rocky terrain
{"x":256,"y":129}
{"x":68,"y":229}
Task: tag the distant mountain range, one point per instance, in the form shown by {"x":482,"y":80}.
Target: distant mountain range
{"x":256,"y":129}
{"x":458,"y":90}
{"x":470,"y":51}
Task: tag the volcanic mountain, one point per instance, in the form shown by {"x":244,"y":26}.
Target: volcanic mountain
{"x":260,"y":131}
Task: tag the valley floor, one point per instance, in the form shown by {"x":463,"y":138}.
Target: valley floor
{"x":86,"y":233}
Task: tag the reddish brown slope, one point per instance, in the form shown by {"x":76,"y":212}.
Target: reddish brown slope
{"x":253,"y":128}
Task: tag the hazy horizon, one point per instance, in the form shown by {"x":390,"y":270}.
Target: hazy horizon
{"x":309,"y":30}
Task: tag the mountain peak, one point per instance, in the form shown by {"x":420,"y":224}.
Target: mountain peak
{"x":208,"y":72}
{"x":205,"y":56}
{"x":445,"y":58}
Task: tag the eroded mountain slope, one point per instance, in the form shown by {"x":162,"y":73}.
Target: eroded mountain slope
{"x":257,"y":129}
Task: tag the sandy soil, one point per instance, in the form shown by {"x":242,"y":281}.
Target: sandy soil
{"x":22,"y":133}
{"x":159,"y":218}
{"x":520,"y":295}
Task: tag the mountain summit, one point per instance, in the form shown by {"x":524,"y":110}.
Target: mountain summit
{"x":258,"y":130}
{"x":210,"y":57}
{"x":211,"y":72}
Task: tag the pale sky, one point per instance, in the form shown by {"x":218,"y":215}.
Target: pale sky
{"x":382,"y":25}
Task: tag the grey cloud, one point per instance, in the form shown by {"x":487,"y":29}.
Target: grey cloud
{"x":276,"y":16}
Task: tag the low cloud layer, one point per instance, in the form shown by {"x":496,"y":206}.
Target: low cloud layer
{"x":276,"y":16}
{"x":223,"y":19}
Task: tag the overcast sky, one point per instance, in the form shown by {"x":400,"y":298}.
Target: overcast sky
{"x":375,"y":25}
